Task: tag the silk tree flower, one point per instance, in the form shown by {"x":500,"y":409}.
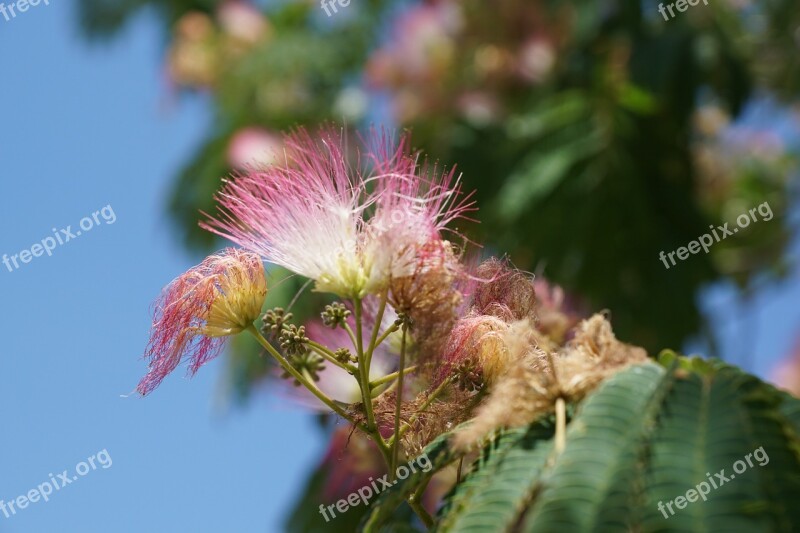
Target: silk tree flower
{"x":219,"y":297}
{"x":414,"y":206}
{"x":535,"y":378}
{"x":350,"y":229}
{"x":477,"y":340}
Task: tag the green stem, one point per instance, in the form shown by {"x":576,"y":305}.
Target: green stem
{"x":330,"y":356}
{"x":391,"y":329}
{"x":349,"y":331}
{"x":398,"y":404}
{"x":375,"y":330}
{"x":363,"y":373}
{"x":390,"y":377}
{"x":420,"y":492}
{"x":300,"y":378}
{"x":415,"y":502}
{"x":417,"y":507}
{"x":387,"y":390}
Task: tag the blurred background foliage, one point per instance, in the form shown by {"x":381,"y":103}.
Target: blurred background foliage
{"x":596,"y":133}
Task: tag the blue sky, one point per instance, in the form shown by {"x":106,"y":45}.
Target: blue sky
{"x":81,"y":127}
{"x":85,"y":126}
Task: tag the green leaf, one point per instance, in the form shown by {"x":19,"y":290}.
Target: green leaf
{"x":709,"y":423}
{"x":501,"y":481}
{"x":542,"y":171}
{"x":594,"y":481}
{"x":646,"y":437}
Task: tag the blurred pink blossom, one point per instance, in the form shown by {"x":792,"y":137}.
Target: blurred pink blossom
{"x":536,"y":60}
{"x":243,"y":21}
{"x":254,"y":148}
{"x":786,"y":375}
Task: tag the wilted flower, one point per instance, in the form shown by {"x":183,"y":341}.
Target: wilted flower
{"x":477,"y":340}
{"x":220,"y":297}
{"x":310,"y":213}
{"x":535,"y":378}
{"x":503,"y":291}
{"x":430,"y":296}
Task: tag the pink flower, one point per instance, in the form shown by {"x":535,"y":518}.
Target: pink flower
{"x":536,"y":60}
{"x":349,"y":228}
{"x":786,"y":374}
{"x":412,"y":211}
{"x":479,"y":108}
{"x":219,"y":297}
{"x":421,"y":47}
{"x":243,"y":21}
{"x":254,"y":148}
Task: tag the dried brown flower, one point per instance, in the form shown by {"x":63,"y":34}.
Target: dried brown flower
{"x":503,"y":291}
{"x":536,"y":378}
{"x":430,"y":297}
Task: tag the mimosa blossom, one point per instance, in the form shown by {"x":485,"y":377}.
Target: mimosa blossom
{"x":350,"y":229}
{"x":219,"y":297}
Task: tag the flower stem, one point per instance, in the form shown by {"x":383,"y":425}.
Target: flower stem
{"x":300,"y":378}
{"x":561,"y":425}
{"x":391,"y":329}
{"x":375,"y":330}
{"x":417,"y":507}
{"x":330,"y":356}
{"x":363,"y":375}
{"x":390,"y":377}
{"x":398,"y":403}
{"x":349,"y":331}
